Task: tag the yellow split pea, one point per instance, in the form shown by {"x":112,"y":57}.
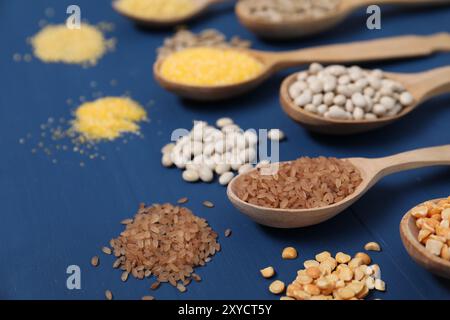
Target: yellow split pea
{"x":208,"y":67}
{"x":107,"y":118}
{"x":58,"y":43}
{"x":156,"y":9}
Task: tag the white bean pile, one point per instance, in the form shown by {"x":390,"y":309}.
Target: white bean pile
{"x":208,"y":150}
{"x":342,"y":93}
{"x":282,"y":10}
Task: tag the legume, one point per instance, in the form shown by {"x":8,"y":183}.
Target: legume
{"x":289,"y":253}
{"x":157,"y":9}
{"x":208,"y":150}
{"x":300,"y":184}
{"x":342,"y":93}
{"x":288,"y":10}
{"x":433,"y":222}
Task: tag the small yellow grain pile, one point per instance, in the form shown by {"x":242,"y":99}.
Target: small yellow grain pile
{"x":204,"y":66}
{"x":156,"y":9}
{"x":107,"y":118}
{"x":58,"y":43}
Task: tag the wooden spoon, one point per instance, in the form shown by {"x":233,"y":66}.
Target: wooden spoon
{"x":200,"y":8}
{"x":417,"y":251}
{"x":388,"y":48}
{"x":372,"y":170}
{"x":422,"y":86}
{"x":289,"y":29}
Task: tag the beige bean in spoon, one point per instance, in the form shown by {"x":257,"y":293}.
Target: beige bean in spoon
{"x":371,"y":171}
{"x":162,"y":13}
{"x":419,"y":86}
{"x":276,"y":20}
{"x":272,"y":62}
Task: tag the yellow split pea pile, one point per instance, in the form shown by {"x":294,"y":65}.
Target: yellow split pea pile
{"x":58,"y":43}
{"x":433,"y":221}
{"x":330,"y":278}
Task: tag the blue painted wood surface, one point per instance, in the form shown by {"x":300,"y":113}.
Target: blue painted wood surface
{"x":55,"y":215}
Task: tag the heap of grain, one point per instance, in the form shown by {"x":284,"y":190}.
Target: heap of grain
{"x":166,"y":241}
{"x":301,"y":184}
{"x":58,"y":43}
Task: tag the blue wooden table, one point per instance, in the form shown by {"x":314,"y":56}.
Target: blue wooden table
{"x":56,"y":215}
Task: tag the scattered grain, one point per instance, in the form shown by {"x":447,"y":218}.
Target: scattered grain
{"x":95,"y":261}
{"x":106,"y":250}
{"x":227,"y":233}
{"x":183,"y":200}
{"x":148,"y":298}
{"x":108,"y":295}
{"x":208,"y":204}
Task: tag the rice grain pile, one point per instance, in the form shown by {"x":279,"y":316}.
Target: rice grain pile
{"x":301,"y":184}
{"x":166,"y":241}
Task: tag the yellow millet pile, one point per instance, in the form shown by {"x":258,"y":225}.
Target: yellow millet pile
{"x":58,"y":43}
{"x":205,"y":66}
{"x":108,"y":118}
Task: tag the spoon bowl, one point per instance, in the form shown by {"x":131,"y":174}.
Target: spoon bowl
{"x":214,"y":93}
{"x":371,"y":170}
{"x":291,"y":29}
{"x":381,"y":49}
{"x":422,"y":86}
{"x":200,"y":7}
{"x":417,"y":251}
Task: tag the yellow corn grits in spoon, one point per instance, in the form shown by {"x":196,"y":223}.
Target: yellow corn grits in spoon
{"x":156,"y":9}
{"x":58,"y":43}
{"x":207,"y":67}
{"x":108,"y":118}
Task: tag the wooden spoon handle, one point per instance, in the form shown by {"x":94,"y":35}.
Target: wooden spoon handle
{"x":430,"y":83}
{"x":388,"y":48}
{"x":412,"y":159}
